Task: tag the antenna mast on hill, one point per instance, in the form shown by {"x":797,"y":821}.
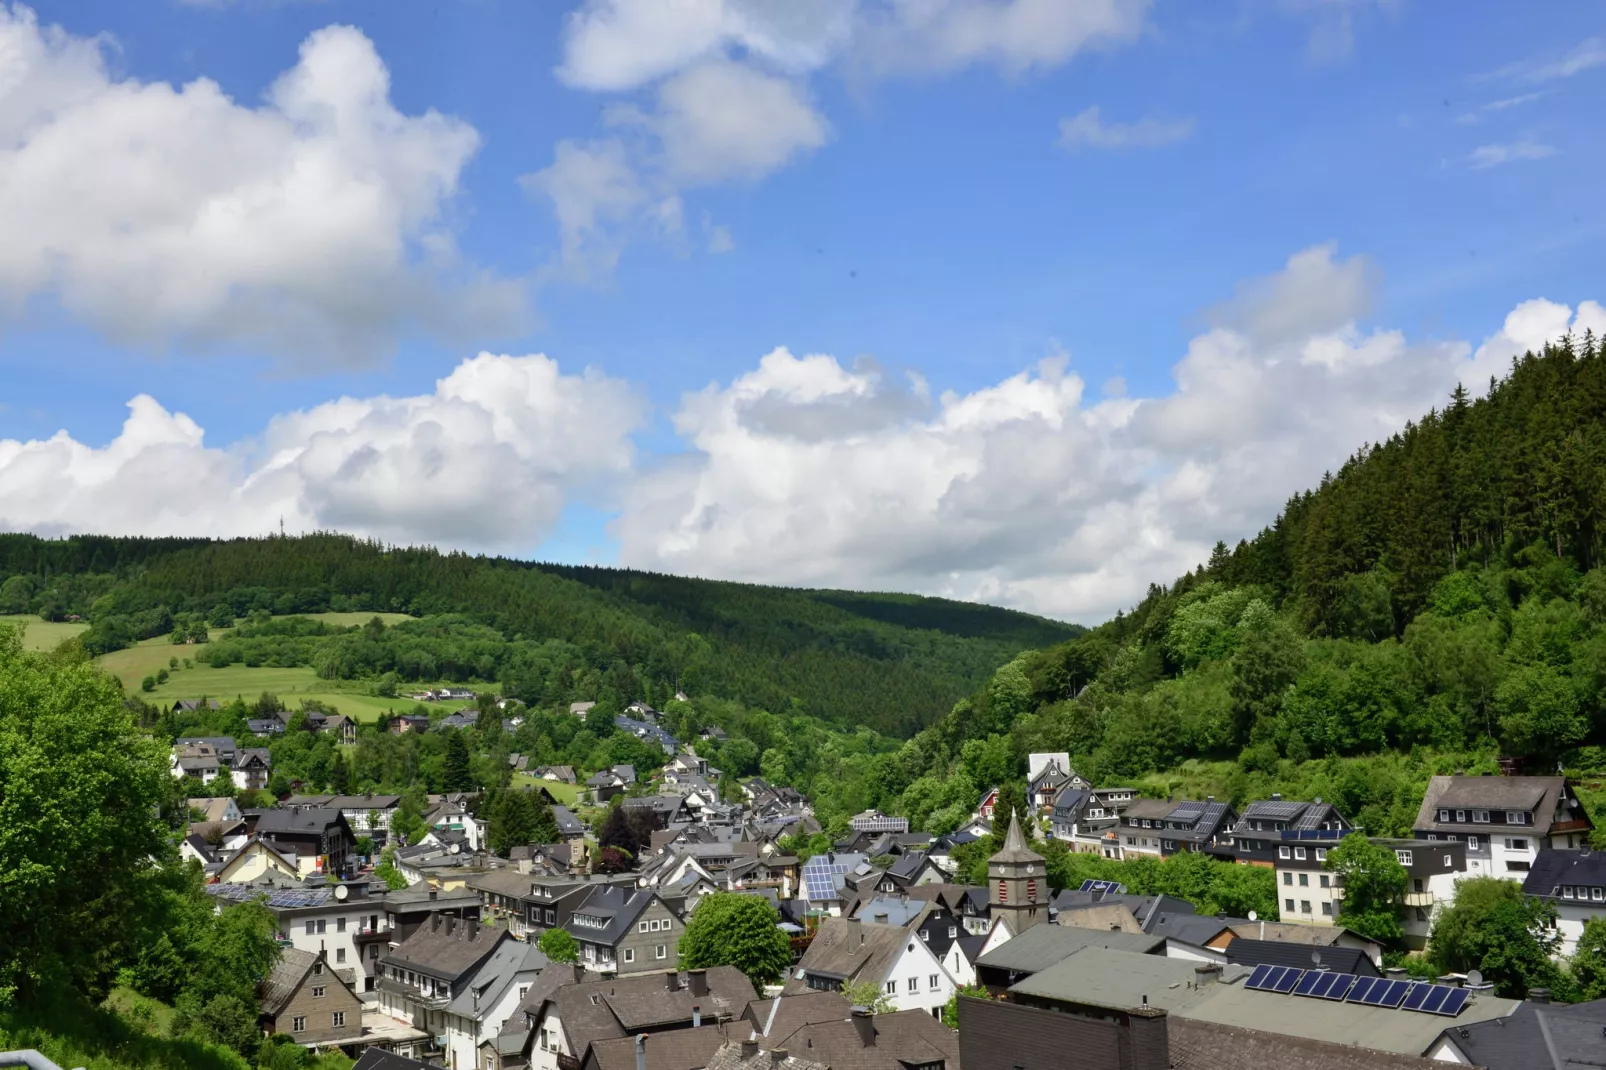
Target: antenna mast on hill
{"x":281,"y":525}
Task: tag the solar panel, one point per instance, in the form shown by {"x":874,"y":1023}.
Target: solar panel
{"x":1286,"y":983}
{"x":1363,"y":988}
{"x":1340,"y":986}
{"x":1454,"y":1002}
{"x":1257,"y":979}
{"x":1414,"y":998}
{"x":1435,"y":998}
{"x":1307,"y":984}
{"x":1108,"y":887}
{"x":1389,"y":993}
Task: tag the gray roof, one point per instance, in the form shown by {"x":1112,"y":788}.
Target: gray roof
{"x":1104,"y":977}
{"x":1195,"y":929}
{"x":1538,"y":794}
{"x":851,"y":950}
{"x":735,"y":1056}
{"x":629,"y":1004}
{"x":447,"y":947}
{"x":902,"y":1039}
{"x":1042,"y":946}
{"x":621,"y":906}
{"x":1274,"y":953}
{"x":1570,"y":1036}
{"x":673,"y":1049}
{"x":511,"y":959}
{"x":568,"y":824}
{"x":304,"y":821}
{"x":285,"y":977}
{"x":1553,"y":869}
{"x":1195,"y":1045}
{"x":785,"y":1014}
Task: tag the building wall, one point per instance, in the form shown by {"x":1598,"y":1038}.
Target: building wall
{"x":464,"y":1035}
{"x":335,"y":932}
{"x":639,"y":952}
{"x":919,"y":965}
{"x":1302,"y":897}
{"x":319,"y":1012}
{"x":1008,"y":1036}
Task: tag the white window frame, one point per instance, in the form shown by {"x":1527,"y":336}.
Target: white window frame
{"x":1515,"y":817}
{"x":641,"y":926}
{"x":892,"y":988}
{"x":661,"y":951}
{"x":933,"y":982}
{"x":1284,"y":852}
{"x":337,"y":1020}
{"x":1299,"y":853}
{"x":298,"y":1024}
{"x":914,"y":984}
{"x":1321,"y":854}
{"x":1597,"y":894}
{"x":630,"y":954}
{"x":1480,"y":817}
{"x":1460,"y":817}
{"x":1472,"y":843}
{"x":1403,"y":856}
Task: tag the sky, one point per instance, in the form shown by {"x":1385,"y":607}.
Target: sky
{"x":1026,"y":302}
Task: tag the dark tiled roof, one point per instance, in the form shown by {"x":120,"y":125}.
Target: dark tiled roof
{"x":1275,"y":953}
{"x":785,"y":1014}
{"x":621,"y":906}
{"x":903,"y":1038}
{"x":1196,"y":1045}
{"x":286,"y":976}
{"x":302,"y":821}
{"x":1499,"y":793}
{"x":1572,"y":1034}
{"x":1195,"y":929}
{"x":448,"y":947}
{"x":624,"y":1005}
{"x":856,"y":950}
{"x":1552,"y":869}
{"x":674,"y":1049}
{"x":375,"y":1059}
{"x":737,"y":1056}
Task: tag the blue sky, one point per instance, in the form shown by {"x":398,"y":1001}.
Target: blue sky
{"x":1176,"y":205}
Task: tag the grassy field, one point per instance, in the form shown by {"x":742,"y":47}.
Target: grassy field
{"x":134,"y":1007}
{"x":566,"y":794}
{"x":347,"y":620}
{"x":42,"y":634}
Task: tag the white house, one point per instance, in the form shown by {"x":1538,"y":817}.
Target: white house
{"x":1504,"y":821}
{"x":893,"y":957}
{"x":1575,"y":882}
{"x":489,"y":999}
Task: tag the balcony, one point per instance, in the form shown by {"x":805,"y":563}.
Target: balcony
{"x":1419,"y":899}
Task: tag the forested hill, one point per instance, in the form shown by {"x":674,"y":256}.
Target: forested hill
{"x":1436,"y":604}
{"x":555,"y":634}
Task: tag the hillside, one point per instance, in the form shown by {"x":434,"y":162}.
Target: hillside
{"x":1438,"y":603}
{"x":548,"y":634}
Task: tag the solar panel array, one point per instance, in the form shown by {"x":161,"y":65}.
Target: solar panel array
{"x":1107,"y":887}
{"x":1420,"y":996}
{"x":820,"y":873}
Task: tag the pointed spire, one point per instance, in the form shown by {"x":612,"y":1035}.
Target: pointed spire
{"x":1014,"y":839}
{"x":1015,"y":849}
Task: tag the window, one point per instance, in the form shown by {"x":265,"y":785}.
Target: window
{"x":1516,"y":817}
{"x":914,"y":984}
{"x":1282,"y":852}
{"x":1290,"y":905}
{"x":1517,"y":844}
{"x":1243,"y":845}
{"x":340,"y":954}
{"x":317,"y":967}
{"x":1404,"y":857}
{"x":337,"y":1019}
{"x":1480,"y":817}
{"x":660,"y":951}
{"x":1299,"y":853}
{"x":1567,"y":893}
{"x":1327,"y":909}
{"x":667,"y":924}
{"x":1288,"y":878}
{"x":1304,"y":906}
{"x":551,"y":917}
{"x":953,"y":931}
{"x":932,"y":982}
{"x":340,"y":925}
{"x":1416,"y":885}
{"x":1304,"y":880}
{"x":523,"y":991}
{"x":1596,"y":894}
{"x":317,"y":993}
{"x":321,"y":924}
{"x":926,"y":936}
{"x":892,"y":988}
{"x":1130,"y":842}
{"x":1472,"y":843}
{"x":1444,"y":815}
{"x":1461,"y":816}
{"x":1326,"y":881}
{"x":641,"y":926}
{"x":298,"y":1024}
{"x":630,"y":954}
{"x":373,"y":951}
{"x":312,"y":927}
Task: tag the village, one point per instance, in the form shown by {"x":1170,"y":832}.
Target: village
{"x":893,"y":962}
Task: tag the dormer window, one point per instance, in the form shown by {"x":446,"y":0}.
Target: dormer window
{"x":1480,"y":817}
{"x":1282,"y":852}
{"x":1444,"y":815}
{"x":1299,"y":853}
{"x":1516,"y":817}
{"x":1461,"y":816}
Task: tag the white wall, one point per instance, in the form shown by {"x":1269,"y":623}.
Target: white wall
{"x":919,"y":963}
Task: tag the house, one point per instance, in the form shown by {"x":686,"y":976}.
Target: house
{"x":672,"y":1049}
{"x":1017,"y":880}
{"x":264,"y":727}
{"x":1569,"y":1037}
{"x":1082,"y":816}
{"x":1046,"y":775}
{"x":902,"y":1040}
{"x":320,"y":837}
{"x":822,"y":881}
{"x":606,"y":783}
{"x":713,"y":734}
{"x":1159,"y":828}
{"x":624,"y":931}
{"x":308,"y":1002}
{"x":409,"y":722}
{"x":256,"y":859}
{"x":455,"y":694}
{"x":890,"y":956}
{"x":1504,"y":821}
{"x":461,"y":719}
{"x":1316,"y":936}
{"x":1252,"y":953}
{"x":195,"y":705}
{"x":489,"y":998}
{"x":375,"y":1057}
{"x":216,"y":811}
{"x":570,"y":828}
{"x":647,"y":733}
{"x":581,"y":709}
{"x":252,"y":767}
{"x":1292,"y":838}
{"x":368,"y":815}
{"x":420,"y":977}
{"x":1575,"y":883}
{"x":342,"y":924}
{"x":876,"y":821}
{"x":665,"y":809}
{"x":1043,"y":946}
{"x":564,"y":1023}
{"x":197,"y":759}
{"x":563,"y":774}
{"x":343,"y":728}
{"x":1433,"y":869}
{"x":408,"y":910}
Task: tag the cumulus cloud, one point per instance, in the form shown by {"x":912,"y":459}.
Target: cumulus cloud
{"x":312,"y":225}
{"x":1030,"y":492}
{"x":1486,"y":156}
{"x":484,"y":462}
{"x":1087,"y":129}
{"x":729,"y":86}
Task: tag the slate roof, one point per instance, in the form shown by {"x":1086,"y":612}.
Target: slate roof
{"x":898,"y":911}
{"x":1569,"y":1038}
{"x":1147,"y":909}
{"x":447,"y":947}
{"x":1015,"y":849}
{"x":850,"y":950}
{"x":902,"y":1039}
{"x":1553,"y":869}
{"x":1042,"y":946}
{"x":1206,"y":1046}
{"x":736,"y":1056}
{"x":1272,"y":953}
{"x":281,"y":983}
{"x":625,"y":1005}
{"x":673,"y":1049}
{"x":485,"y":988}
{"x":621,"y":906}
{"x":374,"y":1058}
{"x":568,"y":824}
{"x":1495,"y":793}
{"x":785,"y":1014}
{"x":1295,"y":815}
{"x":1197,"y":929}
{"x":1288,"y":932}
{"x":305,"y":821}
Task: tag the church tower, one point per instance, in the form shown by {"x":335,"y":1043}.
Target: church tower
{"x":1017,"y":882}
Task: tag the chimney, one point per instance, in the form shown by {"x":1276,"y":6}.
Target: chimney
{"x":749,"y":1049}
{"x":864,"y":1024}
{"x":698,"y":979}
{"x":777,"y":1056}
{"x":1276,"y":796}
{"x":641,"y":1051}
{"x":432,"y":893}
{"x":672,"y":979}
{"x":1394,"y":973}
{"x":1452,"y":979}
{"x":1538,"y":995}
{"x":1207,"y":973}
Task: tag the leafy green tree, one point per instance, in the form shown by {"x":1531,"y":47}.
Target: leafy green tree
{"x":387,"y":871}
{"x":407,"y":822}
{"x":1588,"y":964}
{"x":950,"y":1010}
{"x":1539,"y":711}
{"x":559,"y":945}
{"x":1491,"y":926}
{"x":1268,"y":659}
{"x":1374,"y":886}
{"x":736,"y":929}
{"x":81,"y":836}
{"x":869,"y":995}
{"x":517,"y":817}
{"x":457,"y":776}
{"x":148,"y":684}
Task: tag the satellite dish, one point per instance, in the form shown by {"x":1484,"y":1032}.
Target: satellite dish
{"x":340,"y":891}
{"x":1316,"y":957}
{"x":1253,"y":916}
{"x":1474,"y":977}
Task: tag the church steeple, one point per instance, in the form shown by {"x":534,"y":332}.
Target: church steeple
{"x":1017,"y":882}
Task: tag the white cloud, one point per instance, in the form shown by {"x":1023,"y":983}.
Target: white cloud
{"x":1526,"y":329}
{"x":593,"y":189}
{"x":1587,"y":54}
{"x":1476,"y":116}
{"x":1029,"y":492}
{"x":722,"y":120}
{"x":1486,"y":156}
{"x":720,"y":238}
{"x":918,"y":36}
{"x":1088,"y":129}
{"x":313,"y":225}
{"x":485,"y":462}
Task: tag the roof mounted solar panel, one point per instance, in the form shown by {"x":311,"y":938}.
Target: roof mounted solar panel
{"x":1414,"y":998}
{"x":1285,"y":984}
{"x":1108,"y":887}
{"x":1257,"y":979}
{"x":1454,"y":1002}
{"x":1389,"y":994}
{"x":1340,"y":986}
{"x":1307,"y":984}
{"x":1362,"y":988}
{"x":1435,"y":998}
